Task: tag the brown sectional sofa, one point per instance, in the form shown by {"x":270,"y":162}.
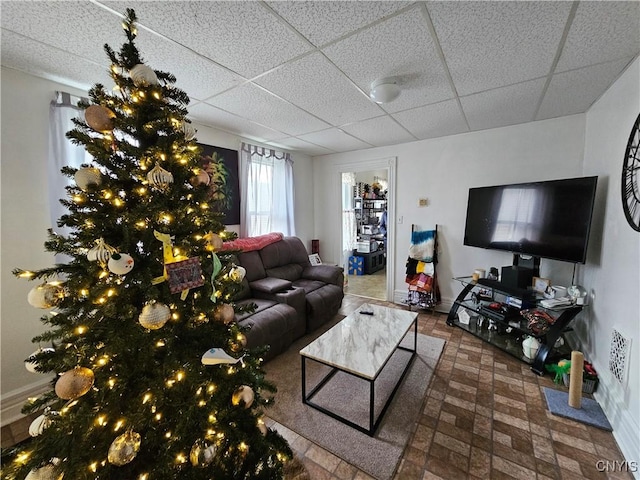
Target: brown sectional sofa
{"x":291,"y":296}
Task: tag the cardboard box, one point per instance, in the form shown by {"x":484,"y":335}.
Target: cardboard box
{"x":356,"y":265}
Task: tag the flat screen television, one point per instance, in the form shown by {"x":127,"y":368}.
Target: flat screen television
{"x":548,"y":219}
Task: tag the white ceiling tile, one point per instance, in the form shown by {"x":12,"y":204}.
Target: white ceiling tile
{"x":601,"y":31}
{"x":79,"y":27}
{"x":335,"y":139}
{"x":168,"y":56}
{"x":492,"y":44}
{"x":576,"y":90}
{"x":379,"y":131}
{"x":253,"y":103}
{"x":322,"y":21}
{"x":207,"y":115}
{"x":295,"y":144}
{"x":430,"y":121}
{"x":400,"y":46}
{"x":315,"y":85}
{"x":33,"y":57}
{"x":503,"y":106}
{"x":244,"y":36}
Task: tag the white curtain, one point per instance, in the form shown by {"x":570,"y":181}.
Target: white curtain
{"x":61,"y":153}
{"x":266,"y":191}
{"x":349,"y":233}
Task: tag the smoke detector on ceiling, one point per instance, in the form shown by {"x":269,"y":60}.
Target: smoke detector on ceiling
{"x":384,"y":90}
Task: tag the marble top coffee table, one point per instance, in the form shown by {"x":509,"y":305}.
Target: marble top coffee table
{"x":361,"y":345}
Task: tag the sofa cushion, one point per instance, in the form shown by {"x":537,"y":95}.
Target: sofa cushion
{"x":288,"y":250}
{"x":252,"y":263}
{"x":260,"y":305}
{"x":270,"y":285}
{"x":290,"y":271}
{"x":273,"y":326}
{"x":308,"y":285}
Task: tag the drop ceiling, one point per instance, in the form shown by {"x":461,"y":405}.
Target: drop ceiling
{"x":296,"y":74}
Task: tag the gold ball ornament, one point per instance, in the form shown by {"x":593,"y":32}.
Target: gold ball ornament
{"x":48,"y":472}
{"x":214,"y":241}
{"x":159,"y":178}
{"x":86,"y":177}
{"x":238,"y":343}
{"x":74,"y":383}
{"x":101,"y":253}
{"x":202,"y":453}
{"x":154,"y":315}
{"x":142,"y":75}
{"x":46,"y":295}
{"x":124,"y":448}
{"x":100,"y":118}
{"x":243,"y":396}
{"x":225,"y":313}
{"x":188,"y":130}
{"x":202,"y":178}
{"x":120,"y":263}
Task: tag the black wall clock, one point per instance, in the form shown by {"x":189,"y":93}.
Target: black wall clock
{"x":631,"y":178}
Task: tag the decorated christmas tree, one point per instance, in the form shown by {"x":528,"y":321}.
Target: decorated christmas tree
{"x":152,"y":378}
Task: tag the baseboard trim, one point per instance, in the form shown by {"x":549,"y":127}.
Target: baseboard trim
{"x":13,"y":401}
{"x":625,"y":427}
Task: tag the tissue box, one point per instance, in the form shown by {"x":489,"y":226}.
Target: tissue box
{"x":356,"y":265}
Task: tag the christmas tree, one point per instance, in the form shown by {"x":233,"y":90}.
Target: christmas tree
{"x":152,"y":377}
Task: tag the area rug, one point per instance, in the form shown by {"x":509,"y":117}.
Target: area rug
{"x":378,"y":455}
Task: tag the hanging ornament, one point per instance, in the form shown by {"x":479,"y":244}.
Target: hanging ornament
{"x":124,"y":448}
{"x":237,"y":273}
{"x":224,"y":313}
{"x":154,"y":315}
{"x":48,"y":472}
{"x":31,"y":363}
{"x":120,"y":263}
{"x":46,"y":295}
{"x":243,"y":396}
{"x":86,"y":177}
{"x":262,"y":426}
{"x":100,"y":118}
{"x":213,"y":242}
{"x":202,"y":453}
{"x":39,"y":425}
{"x":238,"y":343}
{"x":74,"y":383}
{"x":201,"y":178}
{"x":101,"y":253}
{"x":215,"y":356}
{"x":189,"y":131}
{"x":142,"y":75}
{"x":159,"y":178}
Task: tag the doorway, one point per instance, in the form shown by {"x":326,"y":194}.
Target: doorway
{"x":367,"y":194}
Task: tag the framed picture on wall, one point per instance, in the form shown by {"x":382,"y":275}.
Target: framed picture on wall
{"x":222,"y":166}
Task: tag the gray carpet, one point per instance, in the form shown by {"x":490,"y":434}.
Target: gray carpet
{"x":378,"y":455}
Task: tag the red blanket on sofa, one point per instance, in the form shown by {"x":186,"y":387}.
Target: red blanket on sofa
{"x":252,"y":243}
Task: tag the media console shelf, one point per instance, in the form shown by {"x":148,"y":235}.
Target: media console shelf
{"x":506,"y":328}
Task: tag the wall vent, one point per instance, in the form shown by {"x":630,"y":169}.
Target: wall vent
{"x":618,"y":355}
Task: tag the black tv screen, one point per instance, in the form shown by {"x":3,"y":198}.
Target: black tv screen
{"x":549,"y":219}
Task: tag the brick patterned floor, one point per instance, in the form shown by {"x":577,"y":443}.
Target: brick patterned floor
{"x":484,"y":417}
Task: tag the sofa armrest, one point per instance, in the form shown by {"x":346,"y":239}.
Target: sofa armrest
{"x":270,"y":285}
{"x":325,"y":273}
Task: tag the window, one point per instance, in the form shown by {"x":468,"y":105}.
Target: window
{"x":267,"y":191}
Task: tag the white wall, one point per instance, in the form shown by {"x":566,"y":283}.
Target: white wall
{"x":442,"y":170}
{"x":25,"y":219}
{"x":613,"y":275}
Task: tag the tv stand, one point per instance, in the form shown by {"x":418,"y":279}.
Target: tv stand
{"x":505,"y":327}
